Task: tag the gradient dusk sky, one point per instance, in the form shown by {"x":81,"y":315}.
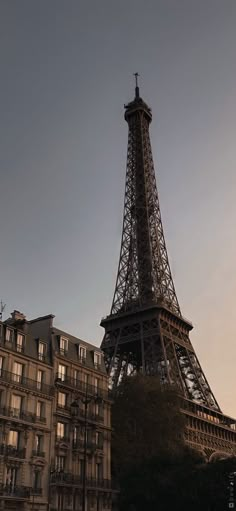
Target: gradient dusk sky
{"x":66,"y":71}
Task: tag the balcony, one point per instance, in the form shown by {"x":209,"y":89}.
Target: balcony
{"x":12,"y":345}
{"x":41,"y":357}
{"x":66,"y":381}
{"x":63,"y":408}
{"x":79,"y":413}
{"x":64,"y":439}
{"x":16,"y":492}
{"x":11,"y":451}
{"x":63,"y":352}
{"x":95,"y":417}
{"x":20,"y":348}
{"x":97,"y":366}
{"x":69,"y":479}
{"x":22,"y":381}
{"x":38,"y":453}
{"x":14,"y":413}
{"x":79,"y":445}
{"x":36,"y":491}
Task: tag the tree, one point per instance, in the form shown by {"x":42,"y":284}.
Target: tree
{"x":146,"y":421}
{"x":155,"y":468}
{"x":148,"y":449}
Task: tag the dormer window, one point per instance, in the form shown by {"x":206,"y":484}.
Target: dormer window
{"x":63,"y":345}
{"x":97,"y":360}
{"x":41,"y":350}
{"x":82,"y":354}
{"x":9,"y":334}
{"x":20,"y":342}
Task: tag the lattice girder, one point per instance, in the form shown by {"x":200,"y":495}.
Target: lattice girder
{"x":155,"y":341}
{"x":145,"y":330}
{"x":144,"y":273}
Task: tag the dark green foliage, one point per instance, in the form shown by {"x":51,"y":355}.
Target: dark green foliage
{"x":146,"y":421}
{"x":180,"y":484}
{"x":156,"y":470}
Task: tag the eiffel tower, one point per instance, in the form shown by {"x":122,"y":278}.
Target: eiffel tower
{"x":145,"y":330}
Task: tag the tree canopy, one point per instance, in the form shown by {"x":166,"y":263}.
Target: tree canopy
{"x":155,"y":468}
{"x":146,"y":421}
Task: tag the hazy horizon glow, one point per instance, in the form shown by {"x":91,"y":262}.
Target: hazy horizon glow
{"x":66,"y":73}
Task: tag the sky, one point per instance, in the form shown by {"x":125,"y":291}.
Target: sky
{"x":66,"y":71}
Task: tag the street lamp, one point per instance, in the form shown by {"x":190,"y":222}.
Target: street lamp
{"x":75,"y":406}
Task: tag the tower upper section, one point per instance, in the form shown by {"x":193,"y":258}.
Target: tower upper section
{"x":144,"y":275}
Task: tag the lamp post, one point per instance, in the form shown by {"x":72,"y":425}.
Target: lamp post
{"x":75,"y":406}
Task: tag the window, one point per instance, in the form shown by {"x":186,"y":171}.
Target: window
{"x":16,"y":403}
{"x":99,"y":439}
{"x":99,"y":471}
{"x":17,"y":372}
{"x":61,"y":372}
{"x":61,"y":399}
{"x":82,"y":354}
{"x":76,"y":376}
{"x":81,"y":468}
{"x":60,"y":430}
{"x":63,"y":345}
{"x":39,"y":409}
{"x":13,"y":438}
{"x":11,"y":477}
{"x":60,"y":463}
{"x":39,"y":379}
{"x":76,"y":434}
{"x":38,"y":443}
{"x":20,"y":343}
{"x":9,"y":335}
{"x":99,"y":409}
{"x":36,"y":482}
{"x":97,"y":360}
{"x":96,"y":384}
{"x":1,"y":365}
{"x":41,"y":350}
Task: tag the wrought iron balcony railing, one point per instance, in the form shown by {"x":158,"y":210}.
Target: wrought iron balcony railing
{"x":21,"y":414}
{"x":68,"y":478}
{"x":36,"y":491}
{"x":38,"y":453}
{"x":62,"y":439}
{"x":22,"y":381}
{"x":42,"y":357}
{"x":63,"y":408}
{"x":79,"y":413}
{"x":12,"y":345}
{"x":63,"y":352}
{"x":20,"y":348}
{"x":9,"y":490}
{"x":97,"y":366}
{"x":79,"y":444}
{"x":11,"y":451}
{"x":81,"y":386}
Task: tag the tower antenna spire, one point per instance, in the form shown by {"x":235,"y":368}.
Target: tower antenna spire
{"x":136,"y":85}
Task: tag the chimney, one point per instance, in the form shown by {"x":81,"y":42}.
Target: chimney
{"x":18,"y":316}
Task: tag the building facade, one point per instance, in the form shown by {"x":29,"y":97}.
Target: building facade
{"x":54,"y":420}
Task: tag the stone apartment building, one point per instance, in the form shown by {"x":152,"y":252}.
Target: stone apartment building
{"x":54,"y":420}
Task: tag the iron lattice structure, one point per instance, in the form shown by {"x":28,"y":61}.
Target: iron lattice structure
{"x":145,"y":330}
